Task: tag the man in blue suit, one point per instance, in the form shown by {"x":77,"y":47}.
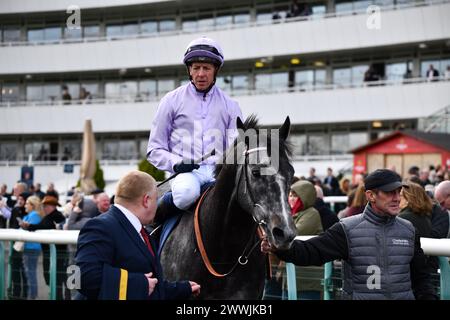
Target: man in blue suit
{"x":118,"y":261}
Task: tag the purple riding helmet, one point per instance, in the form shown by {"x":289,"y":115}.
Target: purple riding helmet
{"x":204,"y":50}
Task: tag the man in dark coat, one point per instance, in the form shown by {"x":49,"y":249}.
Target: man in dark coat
{"x":118,"y":261}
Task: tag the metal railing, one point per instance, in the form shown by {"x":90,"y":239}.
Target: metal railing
{"x":51,"y":237}
{"x":431,"y":247}
{"x":435,"y":247}
{"x":231,"y":26}
{"x":243,"y":92}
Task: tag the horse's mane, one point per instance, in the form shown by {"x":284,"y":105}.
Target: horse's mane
{"x":252,"y":123}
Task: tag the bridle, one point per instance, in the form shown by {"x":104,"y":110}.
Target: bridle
{"x":243,"y":257}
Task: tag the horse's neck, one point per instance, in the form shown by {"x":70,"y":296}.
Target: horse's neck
{"x":222,"y":215}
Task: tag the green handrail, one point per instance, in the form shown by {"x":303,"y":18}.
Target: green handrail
{"x":2,"y":271}
{"x":11,"y":248}
{"x":291,"y":281}
{"x":52,"y":294}
{"x":327,"y":283}
{"x":445,"y":278}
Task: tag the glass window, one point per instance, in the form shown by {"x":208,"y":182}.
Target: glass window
{"x":112,"y":90}
{"x":71,"y":150}
{"x":280,"y":80}
{"x":339,"y":143}
{"x":344,"y":7}
{"x":149,"y":27}
{"x":35,"y":35}
{"x":92,"y":31}
{"x":319,"y":11}
{"x":147,"y":89}
{"x":8,"y":150}
{"x":304,"y":77}
{"x":445,"y":68}
{"x":72,"y":33}
{"x":358,"y":73}
{"x":110,"y":150}
{"x":165,"y":86}
{"x":189,"y":25}
{"x":127,"y":150}
{"x":39,"y":150}
{"x":52,"y":33}
{"x":52,"y":92}
{"x":361,"y":5}
{"x":205,"y":23}
{"x":264,"y":15}
{"x":143,"y":148}
{"x":299,"y":144}
{"x":222,"y":20}
{"x":11,"y":35}
{"x":167,"y":25}
{"x":318,"y":144}
{"x":321,"y":75}
{"x":243,"y":17}
{"x":383,"y":3}
{"x":395,"y":71}
{"x":74,"y":89}
{"x":113,"y":30}
{"x":357,"y":139}
{"x":35,"y":92}
{"x":224,"y":83}
{"x":342,"y":76}
{"x":262,"y":81}
{"x":10,"y":92}
{"x":240,"y":82}
{"x":92,"y":89}
{"x":425,"y":65}
{"x":128,"y":89}
{"x":131,"y":28}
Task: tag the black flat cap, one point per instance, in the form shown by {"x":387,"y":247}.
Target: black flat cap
{"x":384,"y":180}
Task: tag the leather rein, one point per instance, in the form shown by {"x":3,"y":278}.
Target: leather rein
{"x":243,"y":258}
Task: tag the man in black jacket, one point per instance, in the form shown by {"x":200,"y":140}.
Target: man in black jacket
{"x":382,"y":255}
{"x":327,"y":216}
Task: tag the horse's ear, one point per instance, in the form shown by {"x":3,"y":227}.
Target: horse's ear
{"x":284,"y":130}
{"x":239,"y":124}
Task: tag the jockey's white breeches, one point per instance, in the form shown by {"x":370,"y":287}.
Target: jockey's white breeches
{"x":186,"y":186}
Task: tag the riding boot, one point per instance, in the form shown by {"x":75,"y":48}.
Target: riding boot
{"x":166,"y":209}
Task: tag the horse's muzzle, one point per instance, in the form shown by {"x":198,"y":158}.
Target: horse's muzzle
{"x":282,"y":239}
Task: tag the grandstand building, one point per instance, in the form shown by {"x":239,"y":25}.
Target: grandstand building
{"x":346,"y":72}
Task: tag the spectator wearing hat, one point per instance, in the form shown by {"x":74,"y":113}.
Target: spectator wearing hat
{"x":51,"y":217}
{"x":381,"y":253}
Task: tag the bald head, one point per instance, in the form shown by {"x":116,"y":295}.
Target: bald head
{"x":133,"y":186}
{"x":442,"y":194}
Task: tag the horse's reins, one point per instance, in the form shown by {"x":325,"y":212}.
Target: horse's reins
{"x":243,"y":258}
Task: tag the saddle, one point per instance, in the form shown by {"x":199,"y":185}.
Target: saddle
{"x":168,"y":216}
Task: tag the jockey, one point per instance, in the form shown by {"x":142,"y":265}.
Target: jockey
{"x":190,"y":122}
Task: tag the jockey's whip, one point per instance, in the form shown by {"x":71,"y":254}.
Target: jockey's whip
{"x":203,"y":158}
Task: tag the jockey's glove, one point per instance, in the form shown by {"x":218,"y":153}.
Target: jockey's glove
{"x":182,"y":167}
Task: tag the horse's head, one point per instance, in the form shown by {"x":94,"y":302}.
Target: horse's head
{"x":263,"y":178}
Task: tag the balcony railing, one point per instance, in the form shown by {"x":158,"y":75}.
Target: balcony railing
{"x":222,"y":27}
{"x":242,"y":92}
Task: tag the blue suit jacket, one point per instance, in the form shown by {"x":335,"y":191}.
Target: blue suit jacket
{"x":113,"y":260}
